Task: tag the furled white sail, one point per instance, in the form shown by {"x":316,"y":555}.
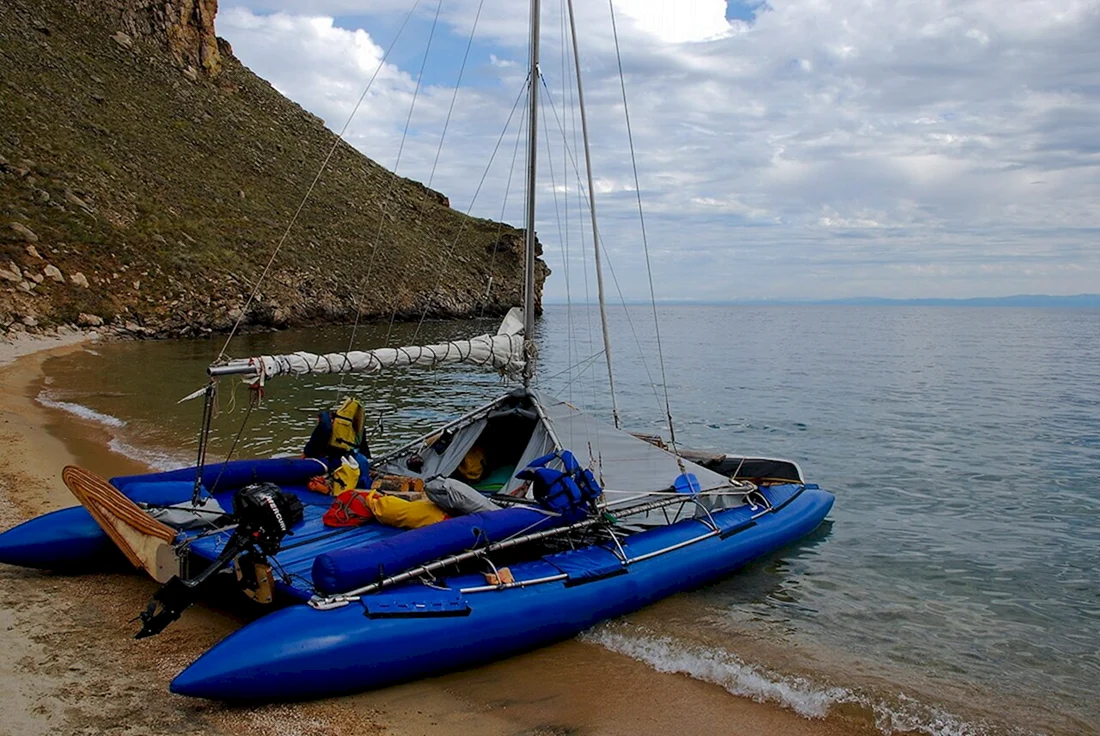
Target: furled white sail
{"x":502,"y":352}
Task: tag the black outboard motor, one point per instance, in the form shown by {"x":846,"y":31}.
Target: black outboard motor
{"x":264,"y":515}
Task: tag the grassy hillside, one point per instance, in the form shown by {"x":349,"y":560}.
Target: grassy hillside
{"x":137,"y":190}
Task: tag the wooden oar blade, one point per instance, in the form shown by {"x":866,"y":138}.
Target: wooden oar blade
{"x":133,"y":531}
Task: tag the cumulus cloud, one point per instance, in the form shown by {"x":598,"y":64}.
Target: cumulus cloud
{"x":824,"y":147}
{"x":678,"y":22}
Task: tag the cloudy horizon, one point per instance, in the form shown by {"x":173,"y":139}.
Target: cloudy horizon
{"x":789,"y":149}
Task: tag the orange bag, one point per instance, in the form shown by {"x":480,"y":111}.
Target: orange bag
{"x":351,"y":508}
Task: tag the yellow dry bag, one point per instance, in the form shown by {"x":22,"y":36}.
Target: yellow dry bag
{"x":346,"y":476}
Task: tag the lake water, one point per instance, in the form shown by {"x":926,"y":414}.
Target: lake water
{"x":955,"y":587}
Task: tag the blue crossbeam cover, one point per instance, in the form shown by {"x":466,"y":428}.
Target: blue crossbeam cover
{"x":402,"y":604}
{"x":346,"y":569}
{"x":588,"y":564}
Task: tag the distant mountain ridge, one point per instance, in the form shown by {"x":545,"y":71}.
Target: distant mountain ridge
{"x":146,"y":176}
{"x":1019,"y":300}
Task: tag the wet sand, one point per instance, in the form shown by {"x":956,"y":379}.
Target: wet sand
{"x":69,"y":664}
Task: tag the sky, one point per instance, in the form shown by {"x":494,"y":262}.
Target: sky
{"x":788,"y":149}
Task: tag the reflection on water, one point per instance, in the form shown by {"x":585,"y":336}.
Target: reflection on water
{"x":141,"y":380}
{"x":960,"y":566}
{"x":774,"y":583}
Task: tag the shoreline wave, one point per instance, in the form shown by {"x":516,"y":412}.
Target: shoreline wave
{"x":155,"y":459}
{"x":79,"y":410}
{"x":806,"y":698}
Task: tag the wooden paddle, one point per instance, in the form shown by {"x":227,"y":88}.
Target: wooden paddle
{"x":146,"y":542}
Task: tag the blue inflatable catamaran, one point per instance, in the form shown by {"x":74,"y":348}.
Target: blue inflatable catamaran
{"x":521,"y":523}
{"x":370,"y":605}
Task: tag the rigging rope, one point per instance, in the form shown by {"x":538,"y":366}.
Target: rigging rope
{"x":595,"y":236}
{"x":211,"y":391}
{"x":282,"y":240}
{"x":503,"y":209}
{"x":254,"y":401}
{"x":435,"y":165}
{"x":313,"y":185}
{"x":645,"y":239}
{"x":581,"y":199}
{"x":550,"y":162}
{"x":389,"y":190}
{"x":485,"y":175}
{"x":585,"y":196}
{"x":566,"y":90}
{"x":582,"y":365}
{"x":454,"y":96}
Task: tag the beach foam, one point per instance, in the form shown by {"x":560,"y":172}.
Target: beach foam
{"x":157,"y":460}
{"x":80,"y":410}
{"x":809,"y":699}
{"x":720,"y":668}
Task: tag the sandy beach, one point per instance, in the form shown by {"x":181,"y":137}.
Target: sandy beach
{"x":69,"y":664}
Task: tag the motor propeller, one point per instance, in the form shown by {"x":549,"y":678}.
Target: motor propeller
{"x":264,"y":515}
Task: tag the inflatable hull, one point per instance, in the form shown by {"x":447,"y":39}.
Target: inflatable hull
{"x":70,"y":539}
{"x":414,"y":631}
{"x":64,"y":540}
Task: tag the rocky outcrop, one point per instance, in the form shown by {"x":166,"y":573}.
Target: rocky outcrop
{"x":146,"y":176}
{"x":190,"y":31}
{"x":185,"y":28}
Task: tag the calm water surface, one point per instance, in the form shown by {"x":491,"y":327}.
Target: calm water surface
{"x":955,"y":587}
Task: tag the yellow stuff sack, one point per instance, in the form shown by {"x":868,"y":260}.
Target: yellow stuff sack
{"x":346,"y":476}
{"x":394,"y":511}
{"x":472,"y":467}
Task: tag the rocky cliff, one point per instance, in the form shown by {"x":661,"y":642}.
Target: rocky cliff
{"x":184,"y":28}
{"x":146,"y":176}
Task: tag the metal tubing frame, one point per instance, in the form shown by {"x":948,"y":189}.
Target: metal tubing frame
{"x":465,"y":418}
{"x":328,"y":602}
{"x":354,"y":595}
{"x":547,"y":424}
{"x":250,"y":369}
{"x":469,"y":417}
{"x":516,"y":584}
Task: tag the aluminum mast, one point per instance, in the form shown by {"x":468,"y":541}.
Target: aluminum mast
{"x":532,"y":161}
{"x":592,"y":210}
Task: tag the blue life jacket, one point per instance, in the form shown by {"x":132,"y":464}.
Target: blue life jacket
{"x":571,"y":492}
